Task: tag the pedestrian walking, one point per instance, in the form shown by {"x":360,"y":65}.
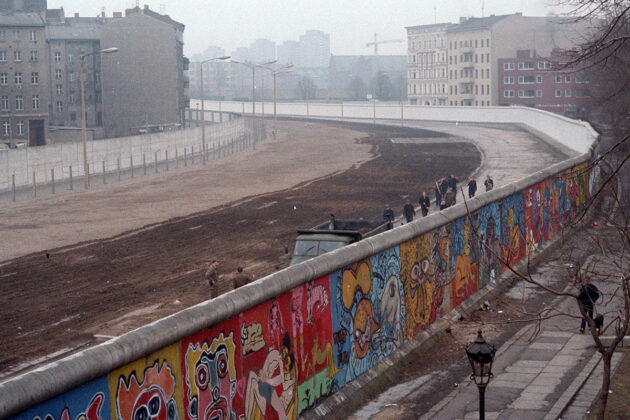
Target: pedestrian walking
{"x":489,"y":183}
{"x":212,"y":275}
{"x":438,"y":195}
{"x":472,"y":187}
{"x":388,"y":216}
{"x":409,"y":211}
{"x":425,"y":203}
{"x":241,"y":278}
{"x":588,"y":296}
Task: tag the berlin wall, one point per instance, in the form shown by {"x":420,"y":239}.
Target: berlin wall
{"x":277,"y":346}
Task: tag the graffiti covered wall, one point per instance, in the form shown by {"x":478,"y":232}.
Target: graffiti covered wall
{"x":284,"y":355}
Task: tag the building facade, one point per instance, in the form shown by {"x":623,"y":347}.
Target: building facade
{"x":314,"y":50}
{"x":24,"y":78}
{"x":426,"y":64}
{"x":530,"y":80}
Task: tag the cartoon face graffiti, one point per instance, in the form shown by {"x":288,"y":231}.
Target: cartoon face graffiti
{"x":364,"y":327}
{"x":212,"y":377}
{"x":153,"y":399}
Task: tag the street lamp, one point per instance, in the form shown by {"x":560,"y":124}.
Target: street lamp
{"x":284,"y":69}
{"x":481,"y":355}
{"x":83,"y":122}
{"x":253,"y":67}
{"x":203,"y":113}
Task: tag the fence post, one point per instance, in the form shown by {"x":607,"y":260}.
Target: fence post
{"x":13,"y":185}
{"x":131,"y":164}
{"x":144,"y":163}
{"x":52,"y":178}
{"x":156,"y":163}
{"x":70,"y":177}
{"x":342,"y":110}
{"x":185,"y":158}
{"x":34,"y":185}
{"x":176,"y":158}
{"x":104,"y":177}
{"x":87,"y":170}
{"x":402,"y":115}
{"x":118,"y":168}
{"x":232,"y":145}
{"x":166,"y":159}
{"x":192,"y":155}
{"x":374,"y":113}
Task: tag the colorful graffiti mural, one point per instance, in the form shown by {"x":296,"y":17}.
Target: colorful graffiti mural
{"x":281,"y":357}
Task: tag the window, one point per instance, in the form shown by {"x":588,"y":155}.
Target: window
{"x":58,"y":74}
{"x":558,"y":79}
{"x":558,"y":93}
{"x":34,"y":55}
{"x":508,"y":93}
{"x":482,"y":58}
{"x":482,"y":89}
{"x":4,"y":102}
{"x":3,"y":36}
{"x":508,"y":80}
{"x":487,"y":73}
{"x":487,"y":42}
{"x":16,"y":35}
{"x":71,"y":77}
{"x":567,"y":79}
{"x":525,"y":80}
{"x":529,"y":65}
{"x":97,"y":76}
{"x":19,"y":103}
{"x":57,"y":56}
{"x":19,"y":126}
{"x":18,"y":80}
{"x":59,"y":89}
{"x":70,"y":58}
{"x":539,"y":93}
{"x":6,"y":128}
{"x":580,"y":78}
{"x":34,"y":78}
{"x":4,"y":79}
{"x":33,"y":36}
{"x":487,"y":58}
{"x":59,"y":106}
{"x":526,"y":93}
{"x":544,"y":65}
{"x":3,"y":56}
{"x":17,"y":55}
{"x":538,"y":79}
{"x":475,"y":43}
{"x":73,"y":116}
{"x":35,"y":102}
{"x":567,"y":93}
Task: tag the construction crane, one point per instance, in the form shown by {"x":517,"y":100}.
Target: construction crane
{"x":376,"y":42}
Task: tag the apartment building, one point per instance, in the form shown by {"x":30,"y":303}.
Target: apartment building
{"x":427,"y":66}
{"x":530,"y":80}
{"x":24,"y":79}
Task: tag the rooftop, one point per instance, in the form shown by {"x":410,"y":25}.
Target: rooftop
{"x":20,"y":19}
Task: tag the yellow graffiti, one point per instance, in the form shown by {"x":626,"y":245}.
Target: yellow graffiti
{"x":359,"y":277}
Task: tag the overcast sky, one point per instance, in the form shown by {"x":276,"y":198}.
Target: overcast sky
{"x":350,"y":23}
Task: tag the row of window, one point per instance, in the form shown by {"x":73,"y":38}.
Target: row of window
{"x":428,"y":89}
{"x":428,"y":74}
{"x":469,"y":57}
{"x":509,"y":80}
{"x":17,"y":35}
{"x":468,"y":102}
{"x":452,"y":74}
{"x":426,"y":44}
{"x":469,"y":44}
{"x":469,"y":89}
{"x":539,"y":93}
{"x":17,"y":56}
{"x":19,"y":103}
{"x":428,"y":58}
{"x":19,"y":128}
{"x":528,"y":65}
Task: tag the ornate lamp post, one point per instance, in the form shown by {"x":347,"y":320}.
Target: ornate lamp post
{"x":481,"y":355}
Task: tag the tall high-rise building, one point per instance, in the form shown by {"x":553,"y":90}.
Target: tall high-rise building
{"x":314,"y":49}
{"x":262,"y":51}
{"x":289,"y":52}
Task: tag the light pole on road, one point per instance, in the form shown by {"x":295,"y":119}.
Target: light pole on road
{"x":253,"y":66}
{"x":284,"y":69}
{"x":203,"y":114}
{"x":83,"y":122}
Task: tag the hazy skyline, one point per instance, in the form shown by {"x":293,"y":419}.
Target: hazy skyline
{"x":351,"y":24}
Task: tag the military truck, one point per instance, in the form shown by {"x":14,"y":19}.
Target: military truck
{"x":322,"y":239}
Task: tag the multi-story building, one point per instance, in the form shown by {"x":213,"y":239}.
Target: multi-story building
{"x":262,"y":51}
{"x":289,"y":52}
{"x":143,"y":83}
{"x":68,"y":40}
{"x":426,"y":64}
{"x":314,"y":50}
{"x":24,"y":80}
{"x":530,"y":80}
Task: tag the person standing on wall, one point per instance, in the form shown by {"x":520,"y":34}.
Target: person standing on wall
{"x":587,"y":298}
{"x":472,"y":187}
{"x":409,"y":211}
{"x":388,"y":216}
{"x":452,"y":183}
{"x":438,"y":195}
{"x":449,"y":198}
{"x":212,"y":275}
{"x":331,"y":222}
{"x":425,"y":203}
{"x":489,"y":183}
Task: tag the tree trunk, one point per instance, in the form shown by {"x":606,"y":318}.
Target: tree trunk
{"x":606,"y":359}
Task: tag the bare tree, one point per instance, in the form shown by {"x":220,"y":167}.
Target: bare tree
{"x":306,"y":88}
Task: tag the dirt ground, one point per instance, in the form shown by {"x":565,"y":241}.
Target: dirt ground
{"x":245,"y":211}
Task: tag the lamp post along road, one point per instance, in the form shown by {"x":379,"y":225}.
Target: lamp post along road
{"x":83,"y":116}
{"x":481,"y":355}
{"x":283,"y":69}
{"x":203,"y":113}
{"x":253,"y":66}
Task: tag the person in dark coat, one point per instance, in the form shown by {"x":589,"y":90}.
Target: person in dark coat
{"x":587,"y":298}
{"x":452,"y":182}
{"x":388,"y":216}
{"x":472,"y":187}
{"x":443,"y":186}
{"x":212,"y":275}
{"x":425,"y":203}
{"x":241,"y":278}
{"x":409,"y":211}
{"x":438,"y":195}
{"x":449,"y":198}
